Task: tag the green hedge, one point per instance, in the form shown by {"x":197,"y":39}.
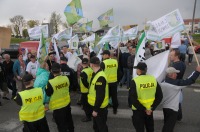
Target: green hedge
{"x":17,"y":40}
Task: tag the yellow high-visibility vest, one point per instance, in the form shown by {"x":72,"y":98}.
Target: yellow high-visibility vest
{"x":60,"y":97}
{"x":88,"y":72}
{"x":32,"y":105}
{"x":146,"y":89}
{"x":110,"y":70}
{"x":92,"y":91}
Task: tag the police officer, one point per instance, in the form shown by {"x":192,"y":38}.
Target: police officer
{"x":58,"y":90}
{"x":86,"y":75}
{"x":67,"y":71}
{"x":98,"y":96}
{"x":145,"y":95}
{"x":110,"y":67}
{"x":32,"y":111}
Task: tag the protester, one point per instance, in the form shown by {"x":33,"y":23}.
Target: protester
{"x":11,"y":83}
{"x":110,"y":67}
{"x":67,"y":71}
{"x":190,"y":51}
{"x":183,"y":51}
{"x":178,"y":65}
{"x":19,"y":70}
{"x":86,"y":76}
{"x":3,"y":82}
{"x":145,"y":95}
{"x":171,"y":94}
{"x":58,"y":91}
{"x":51,"y":59}
{"x":31,"y":102}
{"x":28,"y":58}
{"x":42,"y":78}
{"x":32,"y":66}
{"x":98,"y":96}
{"x":123,"y":62}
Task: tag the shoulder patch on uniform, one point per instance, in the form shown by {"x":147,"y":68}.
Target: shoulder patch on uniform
{"x":98,"y":83}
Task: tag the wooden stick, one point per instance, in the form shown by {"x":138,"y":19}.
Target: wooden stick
{"x":193,"y":49}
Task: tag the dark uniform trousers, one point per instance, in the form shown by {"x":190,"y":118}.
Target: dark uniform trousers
{"x":170,"y":118}
{"x":99,"y":122}
{"x":36,"y":126}
{"x":11,"y":83}
{"x":141,"y":119}
{"x":113,"y":94}
{"x":63,"y":119}
{"x":86,"y":106}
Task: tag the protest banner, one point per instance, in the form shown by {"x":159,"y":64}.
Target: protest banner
{"x":65,"y":34}
{"x":35,"y":33}
{"x":166,"y":26}
{"x":5,"y":37}
{"x":73,"y":42}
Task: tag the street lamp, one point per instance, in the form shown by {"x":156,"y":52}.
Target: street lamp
{"x":193,"y":15}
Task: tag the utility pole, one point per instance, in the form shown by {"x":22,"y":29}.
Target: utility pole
{"x":193,"y":16}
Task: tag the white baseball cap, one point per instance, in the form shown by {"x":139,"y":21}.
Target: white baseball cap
{"x":172,"y":70}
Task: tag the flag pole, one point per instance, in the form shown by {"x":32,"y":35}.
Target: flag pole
{"x":193,"y":49}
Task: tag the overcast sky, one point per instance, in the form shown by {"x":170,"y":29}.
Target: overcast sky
{"x":125,"y":11}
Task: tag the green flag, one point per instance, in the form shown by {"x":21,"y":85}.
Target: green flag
{"x":41,"y":53}
{"x":73,"y":11}
{"x":85,"y":27}
{"x":106,"y":18}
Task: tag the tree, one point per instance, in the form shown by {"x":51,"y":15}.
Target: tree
{"x":25,"y":33}
{"x":33,"y":23}
{"x":55,"y":21}
{"x":18,"y":23}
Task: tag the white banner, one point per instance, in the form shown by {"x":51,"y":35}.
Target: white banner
{"x":176,"y":40}
{"x":73,"y":42}
{"x":130,"y":34}
{"x":67,"y":34}
{"x":35,"y":33}
{"x":113,"y":35}
{"x":89,"y":39}
{"x":166,"y":26}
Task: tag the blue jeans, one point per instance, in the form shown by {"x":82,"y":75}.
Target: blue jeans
{"x":126,"y":77}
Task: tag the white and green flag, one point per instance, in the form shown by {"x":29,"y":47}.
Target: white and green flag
{"x":73,"y":42}
{"x":65,"y":34}
{"x":140,"y":50}
{"x":113,"y":36}
{"x":130,"y":34}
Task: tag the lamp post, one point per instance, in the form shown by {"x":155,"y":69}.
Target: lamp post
{"x":193,"y":16}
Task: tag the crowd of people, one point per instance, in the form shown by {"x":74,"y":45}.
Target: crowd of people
{"x":33,"y":85}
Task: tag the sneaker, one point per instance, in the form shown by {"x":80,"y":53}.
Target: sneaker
{"x":6,"y":98}
{"x":86,"y":119}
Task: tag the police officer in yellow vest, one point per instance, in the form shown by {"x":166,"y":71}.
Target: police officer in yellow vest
{"x":145,"y":95}
{"x":85,"y":78}
{"x":32,"y":111}
{"x":110,"y":67}
{"x":58,"y":91}
{"x":98,"y":96}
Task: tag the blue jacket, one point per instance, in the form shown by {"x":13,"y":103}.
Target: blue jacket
{"x":16,"y":68}
{"x":42,"y":77}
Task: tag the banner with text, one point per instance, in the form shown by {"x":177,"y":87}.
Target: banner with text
{"x":35,"y":33}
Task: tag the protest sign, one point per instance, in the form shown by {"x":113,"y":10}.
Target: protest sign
{"x":35,"y":33}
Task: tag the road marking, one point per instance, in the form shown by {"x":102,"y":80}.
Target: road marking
{"x":197,"y":90}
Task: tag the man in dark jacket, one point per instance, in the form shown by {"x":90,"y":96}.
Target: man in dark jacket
{"x":171,"y":89}
{"x":67,"y":71}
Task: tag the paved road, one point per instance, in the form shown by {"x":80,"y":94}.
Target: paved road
{"x":116,"y":123}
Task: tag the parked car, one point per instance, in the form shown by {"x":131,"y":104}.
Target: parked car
{"x":197,"y":49}
{"x":13,"y":51}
